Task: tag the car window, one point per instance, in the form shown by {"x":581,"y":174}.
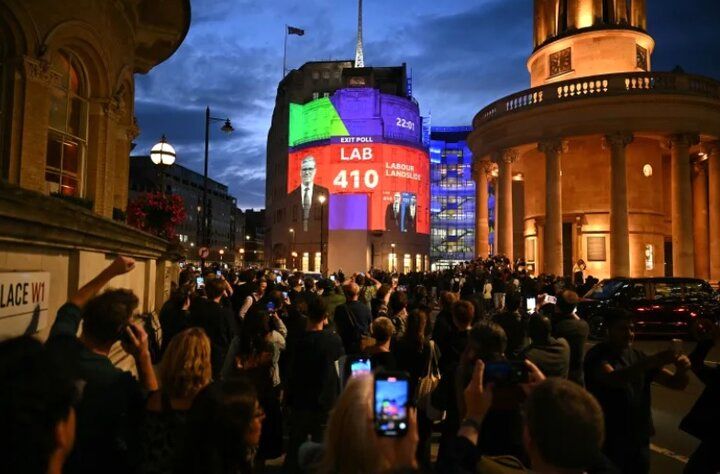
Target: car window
{"x":666,"y":291}
{"x":697,"y":290}
{"x":604,"y":290}
{"x":637,"y":292}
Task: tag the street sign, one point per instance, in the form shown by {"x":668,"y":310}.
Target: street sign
{"x":24,"y":299}
{"x":204,"y":252}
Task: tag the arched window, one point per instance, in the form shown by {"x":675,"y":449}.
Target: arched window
{"x":67,"y":134}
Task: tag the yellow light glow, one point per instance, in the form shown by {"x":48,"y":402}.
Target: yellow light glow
{"x":585,"y":13}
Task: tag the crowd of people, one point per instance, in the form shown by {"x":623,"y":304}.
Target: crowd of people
{"x":252,"y":366}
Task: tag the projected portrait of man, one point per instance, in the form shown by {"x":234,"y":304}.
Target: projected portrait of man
{"x":393,"y":214}
{"x":308,"y":192}
{"x":411,"y":215}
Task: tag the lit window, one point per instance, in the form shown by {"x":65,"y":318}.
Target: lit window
{"x":67,"y":134}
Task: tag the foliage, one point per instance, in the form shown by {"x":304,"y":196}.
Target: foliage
{"x":157,"y":213}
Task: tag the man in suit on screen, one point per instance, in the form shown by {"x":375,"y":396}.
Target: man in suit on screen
{"x":308,"y":192}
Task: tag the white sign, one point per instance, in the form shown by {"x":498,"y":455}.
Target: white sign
{"x":24,"y":298}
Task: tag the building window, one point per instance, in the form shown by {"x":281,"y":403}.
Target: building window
{"x":326,"y":75}
{"x":316,"y":95}
{"x":326,"y":94}
{"x":642,"y":58}
{"x":596,"y":249}
{"x":315,"y":75}
{"x":67,"y":133}
{"x":561,"y":62}
{"x":317,"y":262}
{"x":4,"y":108}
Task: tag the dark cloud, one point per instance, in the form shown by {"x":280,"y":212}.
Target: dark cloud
{"x":463,"y":54}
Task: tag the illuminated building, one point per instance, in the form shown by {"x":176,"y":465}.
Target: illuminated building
{"x":452,"y":198}
{"x":358,"y":133}
{"x":620,"y":164}
{"x":67,"y":97}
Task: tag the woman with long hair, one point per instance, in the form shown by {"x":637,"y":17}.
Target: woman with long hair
{"x":413,"y":354}
{"x":223,"y":430}
{"x":185,"y":369}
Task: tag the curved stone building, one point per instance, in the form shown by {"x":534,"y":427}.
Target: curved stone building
{"x":618,"y":165}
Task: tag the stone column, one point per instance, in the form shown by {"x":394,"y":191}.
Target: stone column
{"x":619,"y":226}
{"x":482,"y":224}
{"x":700,"y":220}
{"x":552,"y":240}
{"x":681,"y":198}
{"x":504,"y":228}
{"x":713,"y":152}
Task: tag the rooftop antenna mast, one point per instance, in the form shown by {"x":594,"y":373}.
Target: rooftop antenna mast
{"x":359,"y":60}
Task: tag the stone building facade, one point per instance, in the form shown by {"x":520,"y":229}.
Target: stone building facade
{"x":66,"y":127}
{"x":620,"y":165}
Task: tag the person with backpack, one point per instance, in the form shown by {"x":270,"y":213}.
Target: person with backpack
{"x":352,"y":320}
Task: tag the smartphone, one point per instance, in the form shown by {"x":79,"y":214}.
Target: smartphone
{"x":270,"y":307}
{"x":332,"y":277}
{"x":506,"y":373}
{"x":218,"y":273}
{"x":390,"y":403}
{"x":360,"y":366}
{"x":200,"y":281}
{"x":278,"y":279}
{"x":402,"y":288}
{"x":531,"y":304}
{"x":285,"y":294}
{"x":550,"y":299}
{"x":124,"y":336}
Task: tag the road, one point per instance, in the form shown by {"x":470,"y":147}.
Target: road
{"x":672,"y":447}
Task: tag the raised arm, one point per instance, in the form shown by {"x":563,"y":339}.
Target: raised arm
{"x":119,"y":266}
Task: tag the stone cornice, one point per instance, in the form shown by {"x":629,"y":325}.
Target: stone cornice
{"x":30,"y":218}
{"x":39,"y":70}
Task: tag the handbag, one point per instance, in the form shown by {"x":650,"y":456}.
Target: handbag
{"x":427,"y":385}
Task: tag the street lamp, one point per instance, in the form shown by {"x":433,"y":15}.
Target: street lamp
{"x":292,"y":241}
{"x":221,"y":252}
{"x":321,"y":199}
{"x":227,"y":128}
{"x":393,"y":258}
{"x":162,"y":154}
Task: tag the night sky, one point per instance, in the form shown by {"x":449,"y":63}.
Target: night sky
{"x":463,"y":55}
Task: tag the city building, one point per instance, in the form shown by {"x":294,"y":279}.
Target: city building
{"x":253,"y":249}
{"x":66,"y":126}
{"x":358,"y":133}
{"x":177,"y":179}
{"x":620,"y":164}
{"x":452,"y":198}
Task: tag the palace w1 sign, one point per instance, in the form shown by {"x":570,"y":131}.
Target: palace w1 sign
{"x":24,"y":300}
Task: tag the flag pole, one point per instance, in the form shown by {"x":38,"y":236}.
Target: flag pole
{"x":285,"y":53}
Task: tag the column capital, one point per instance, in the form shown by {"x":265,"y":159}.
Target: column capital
{"x":553,"y":145}
{"x":39,"y":70}
{"x":482,"y":168}
{"x":682,"y":139}
{"x":711,"y":148}
{"x":507,"y":156}
{"x":618,"y":139}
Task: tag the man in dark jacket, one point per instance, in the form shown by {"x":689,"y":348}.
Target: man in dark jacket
{"x":217,"y":322}
{"x":552,"y":356}
{"x":569,"y":326}
{"x":352,"y":319}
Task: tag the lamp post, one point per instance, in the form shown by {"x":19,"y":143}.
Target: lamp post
{"x":221,"y":252}
{"x":242,"y":257}
{"x":321,"y":199}
{"x":162,"y":154}
{"x":294,"y":256}
{"x":392,"y":258}
{"x":227,"y":128}
{"x":292,"y":241}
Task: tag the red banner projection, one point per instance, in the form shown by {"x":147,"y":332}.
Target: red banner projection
{"x":386,"y":173}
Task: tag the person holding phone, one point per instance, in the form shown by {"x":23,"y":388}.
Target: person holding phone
{"x":703,"y":418}
{"x":619,"y":376}
{"x":109,"y":414}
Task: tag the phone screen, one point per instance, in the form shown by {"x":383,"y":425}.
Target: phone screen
{"x":332,"y":277}
{"x":200,"y":281}
{"x":270,"y":307}
{"x":550,"y":299}
{"x":278,"y":279}
{"x":531,"y":304}
{"x":285,"y":293}
{"x":218,"y":273}
{"x":391,"y":404}
{"x":360,"y":367}
{"x":505,"y":373}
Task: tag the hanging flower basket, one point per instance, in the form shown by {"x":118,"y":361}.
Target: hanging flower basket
{"x":157,"y":213}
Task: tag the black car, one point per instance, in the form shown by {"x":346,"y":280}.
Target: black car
{"x":660,"y":306}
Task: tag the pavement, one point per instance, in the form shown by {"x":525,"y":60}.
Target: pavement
{"x":670,"y":446}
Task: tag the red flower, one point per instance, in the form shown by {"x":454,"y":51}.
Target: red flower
{"x":157,"y":213}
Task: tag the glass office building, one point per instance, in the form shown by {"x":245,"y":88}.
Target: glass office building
{"x":452,"y":197}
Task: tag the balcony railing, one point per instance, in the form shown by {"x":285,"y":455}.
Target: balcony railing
{"x":610,"y":85}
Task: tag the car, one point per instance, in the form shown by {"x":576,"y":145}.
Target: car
{"x":660,"y":306}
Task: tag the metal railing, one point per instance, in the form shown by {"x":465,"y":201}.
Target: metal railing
{"x":609,"y":85}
